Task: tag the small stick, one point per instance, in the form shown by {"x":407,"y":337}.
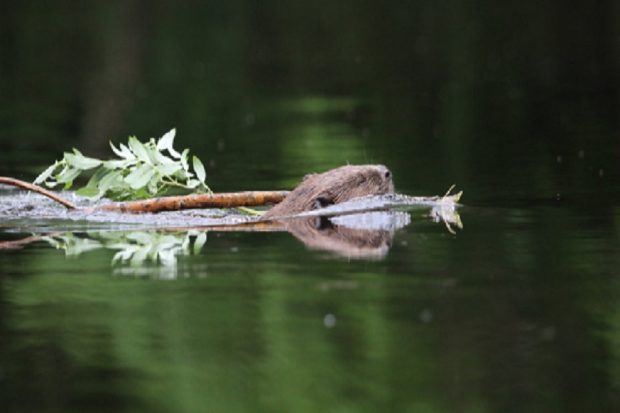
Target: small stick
{"x":36,"y":188}
{"x":168,"y":203}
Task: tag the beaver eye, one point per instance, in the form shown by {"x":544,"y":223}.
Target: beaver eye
{"x":387,"y":174}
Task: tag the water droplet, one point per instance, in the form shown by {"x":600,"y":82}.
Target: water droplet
{"x":426,"y":315}
{"x":581,"y":154}
{"x":558,"y":158}
{"x":329,"y":320}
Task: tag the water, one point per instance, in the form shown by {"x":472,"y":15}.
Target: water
{"x":507,"y":314}
{"x":515,"y":312}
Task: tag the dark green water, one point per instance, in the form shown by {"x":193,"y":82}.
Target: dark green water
{"x":516,"y":104}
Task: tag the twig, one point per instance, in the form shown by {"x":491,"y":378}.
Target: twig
{"x":36,"y":188}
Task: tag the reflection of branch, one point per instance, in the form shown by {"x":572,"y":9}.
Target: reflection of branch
{"x":20,"y":243}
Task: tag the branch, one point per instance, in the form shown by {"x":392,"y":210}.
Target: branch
{"x":167,"y":203}
{"x":176,"y":203}
{"x":39,"y":190}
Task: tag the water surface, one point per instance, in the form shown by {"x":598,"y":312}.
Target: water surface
{"x":516,"y":104}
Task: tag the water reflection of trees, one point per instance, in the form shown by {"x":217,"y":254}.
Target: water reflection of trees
{"x":485,"y":95}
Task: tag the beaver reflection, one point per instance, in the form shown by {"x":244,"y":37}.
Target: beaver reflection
{"x":342,"y":239}
{"x":333,"y":187}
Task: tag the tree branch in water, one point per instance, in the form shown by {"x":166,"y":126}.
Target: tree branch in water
{"x":168,"y":203}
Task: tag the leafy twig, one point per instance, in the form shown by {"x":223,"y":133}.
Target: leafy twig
{"x":142,"y":170}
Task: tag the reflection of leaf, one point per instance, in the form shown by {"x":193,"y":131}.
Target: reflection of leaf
{"x":73,"y":245}
{"x":167,"y":257}
{"x":134,"y":248}
{"x":201,"y":239}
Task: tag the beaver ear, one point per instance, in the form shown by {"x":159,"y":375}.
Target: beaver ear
{"x":306,"y":176}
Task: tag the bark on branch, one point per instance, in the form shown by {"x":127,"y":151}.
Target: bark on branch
{"x":167,"y":203}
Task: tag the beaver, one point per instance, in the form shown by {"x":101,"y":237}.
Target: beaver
{"x":332,"y":187}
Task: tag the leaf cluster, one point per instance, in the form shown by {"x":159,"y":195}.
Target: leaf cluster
{"x":142,"y":170}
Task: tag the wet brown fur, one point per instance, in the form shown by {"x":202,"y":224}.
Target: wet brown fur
{"x":332,"y":187}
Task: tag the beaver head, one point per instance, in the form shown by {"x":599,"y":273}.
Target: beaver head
{"x":334,"y":186}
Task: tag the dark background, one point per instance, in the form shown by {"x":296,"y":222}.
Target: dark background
{"x":485,"y":95}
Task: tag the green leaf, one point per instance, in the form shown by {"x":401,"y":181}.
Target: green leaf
{"x":80,"y":161}
{"x":118,"y":164}
{"x":139,"y":149}
{"x":140,"y":176}
{"x":141,"y":193}
{"x":46,"y":173}
{"x":67,"y":175}
{"x":153,"y":185}
{"x":111,"y":180}
{"x":181,"y":175}
{"x":192,"y":183}
{"x":162,"y":159}
{"x":199,"y":168}
{"x":143,"y":170}
{"x":184,"y":162}
{"x":88,"y":191}
{"x":166,"y":142}
{"x":152,"y":153}
{"x":92,"y":187}
{"x":123,"y":152}
{"x":51,"y":184}
{"x":117,"y":151}
{"x":169,"y":170}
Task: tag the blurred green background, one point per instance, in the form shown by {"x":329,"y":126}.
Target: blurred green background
{"x":480,"y":94}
